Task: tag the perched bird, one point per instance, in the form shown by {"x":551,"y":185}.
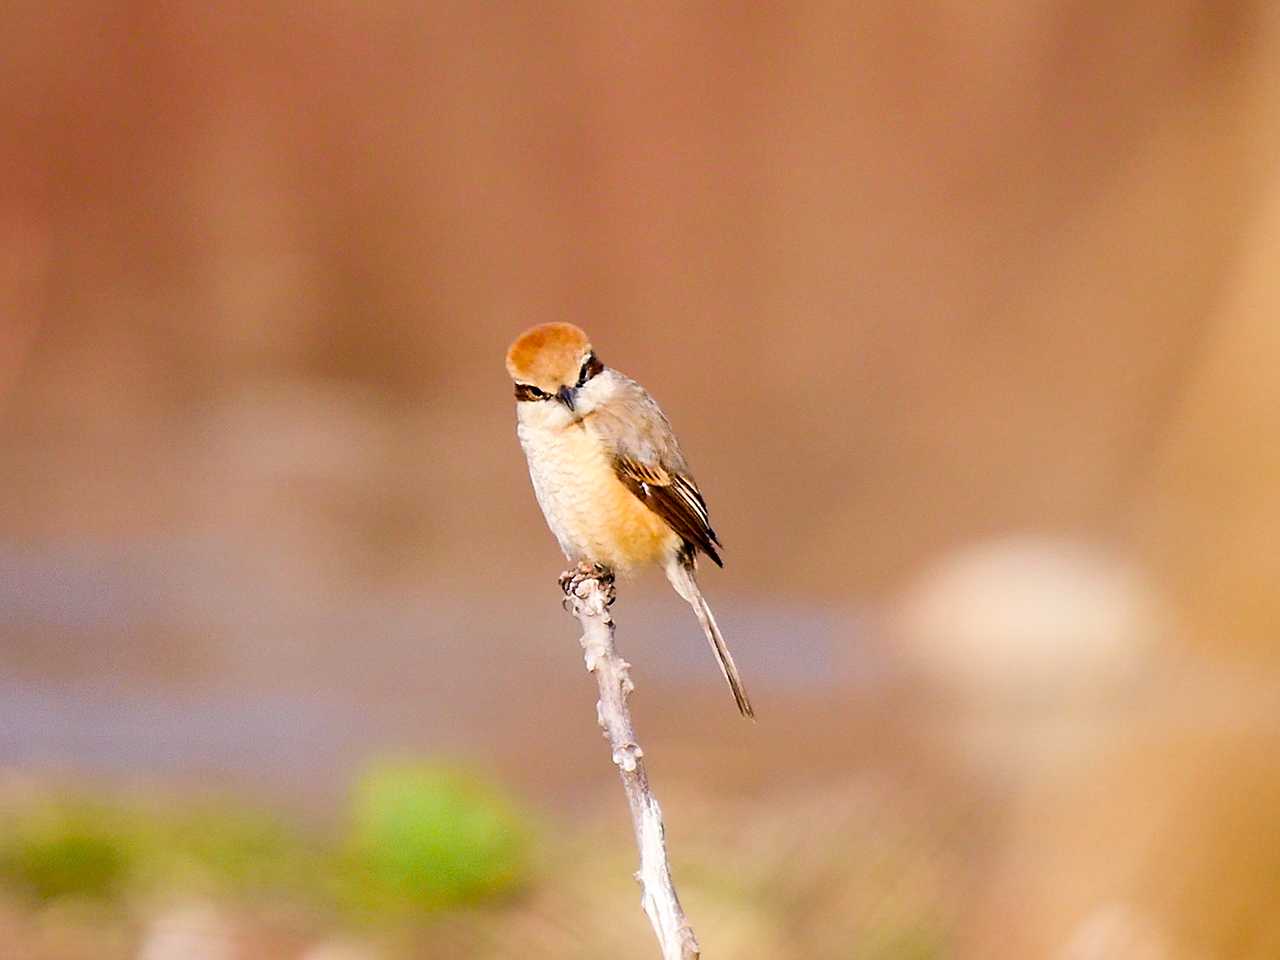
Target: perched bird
{"x":608,"y":472}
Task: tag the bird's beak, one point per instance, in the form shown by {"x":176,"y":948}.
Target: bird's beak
{"x":565,"y":396}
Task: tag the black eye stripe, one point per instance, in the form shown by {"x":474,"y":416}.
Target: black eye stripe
{"x":527,"y":391}
{"x":590,"y":367}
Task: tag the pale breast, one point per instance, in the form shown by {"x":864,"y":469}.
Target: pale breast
{"x":593,"y":516}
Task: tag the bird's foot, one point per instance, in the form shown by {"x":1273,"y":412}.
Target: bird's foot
{"x":572,"y":581}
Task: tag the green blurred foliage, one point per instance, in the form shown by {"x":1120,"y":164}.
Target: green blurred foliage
{"x":433,"y":836}
{"x":420,"y":836}
{"x":67,"y":850}
{"x":233,"y":850}
{"x":431,"y":857}
{"x":59,"y":847}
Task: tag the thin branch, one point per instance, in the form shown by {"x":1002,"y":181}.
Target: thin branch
{"x":589,"y":594}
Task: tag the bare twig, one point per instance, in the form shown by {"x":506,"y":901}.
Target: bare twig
{"x":589,"y":593}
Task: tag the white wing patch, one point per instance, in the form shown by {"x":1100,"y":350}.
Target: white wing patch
{"x":690,"y":495}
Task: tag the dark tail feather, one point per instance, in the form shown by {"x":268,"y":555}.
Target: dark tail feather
{"x":681,"y":578}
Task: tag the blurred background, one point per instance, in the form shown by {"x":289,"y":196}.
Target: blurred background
{"x":965,"y":314}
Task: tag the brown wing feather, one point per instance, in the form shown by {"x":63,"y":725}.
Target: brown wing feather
{"x":675,"y":498}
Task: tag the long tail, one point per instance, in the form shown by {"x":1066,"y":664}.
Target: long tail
{"x":680,"y":574}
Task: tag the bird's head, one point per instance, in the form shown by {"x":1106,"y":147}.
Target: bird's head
{"x":552,"y":362}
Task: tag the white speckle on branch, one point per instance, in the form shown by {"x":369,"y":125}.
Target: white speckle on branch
{"x":589,"y":593}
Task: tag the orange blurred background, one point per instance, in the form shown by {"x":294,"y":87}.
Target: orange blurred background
{"x":965,"y":315}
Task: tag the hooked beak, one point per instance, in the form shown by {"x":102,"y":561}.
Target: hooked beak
{"x":565,"y":396}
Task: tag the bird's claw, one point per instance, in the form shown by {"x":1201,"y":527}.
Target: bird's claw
{"x":572,"y":581}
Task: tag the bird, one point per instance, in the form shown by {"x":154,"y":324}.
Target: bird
{"x":609,"y":475}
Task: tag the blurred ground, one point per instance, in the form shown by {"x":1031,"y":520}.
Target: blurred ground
{"x":965,"y":316}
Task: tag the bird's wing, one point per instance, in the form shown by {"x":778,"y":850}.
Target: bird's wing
{"x":648,"y":461}
{"x":673,"y":497}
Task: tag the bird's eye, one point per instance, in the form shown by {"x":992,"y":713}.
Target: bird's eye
{"x":527,"y":391}
{"x":590,"y":367}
